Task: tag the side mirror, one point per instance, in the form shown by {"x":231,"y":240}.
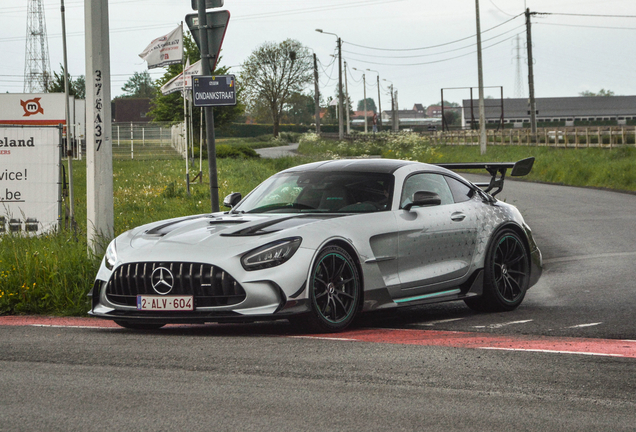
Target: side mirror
{"x":232,"y":199}
{"x":423,"y":199}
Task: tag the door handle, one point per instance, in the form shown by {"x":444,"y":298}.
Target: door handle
{"x":458,"y":217}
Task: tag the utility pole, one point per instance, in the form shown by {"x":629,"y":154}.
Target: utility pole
{"x":340,"y":95}
{"x":364,"y":85}
{"x":69,"y":126}
{"x":209,"y":113}
{"x":99,"y":152}
{"x":480,"y":72}
{"x":396,"y":114}
{"x":347,"y":106}
{"x":533,"y":103}
{"x":379,"y":100}
{"x":316,"y":95}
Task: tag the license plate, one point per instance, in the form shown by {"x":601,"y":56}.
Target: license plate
{"x":165,"y":303}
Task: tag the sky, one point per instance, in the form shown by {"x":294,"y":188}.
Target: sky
{"x":419,"y":46}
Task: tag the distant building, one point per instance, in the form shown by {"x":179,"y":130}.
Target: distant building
{"x":126,"y":110}
{"x":564,"y":109}
{"x":419,"y":108}
{"x":434,"y":111}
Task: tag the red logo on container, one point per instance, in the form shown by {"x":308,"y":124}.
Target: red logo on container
{"x":32,"y":106}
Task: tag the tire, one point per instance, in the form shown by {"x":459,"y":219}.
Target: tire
{"x":334,"y":291}
{"x":506,"y":274}
{"x":139,"y":326}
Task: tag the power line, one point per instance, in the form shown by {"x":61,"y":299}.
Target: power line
{"x":434,"y":46}
{"x":437,"y":53}
{"x":439,"y":61}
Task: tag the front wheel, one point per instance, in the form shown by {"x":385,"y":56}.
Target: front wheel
{"x":334,"y":291}
{"x":506,"y":274}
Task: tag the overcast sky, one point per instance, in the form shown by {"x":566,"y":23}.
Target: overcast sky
{"x":421,"y":46}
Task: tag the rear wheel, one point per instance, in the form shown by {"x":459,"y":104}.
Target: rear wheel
{"x":139,"y":326}
{"x":334,"y":291}
{"x":506,"y":274}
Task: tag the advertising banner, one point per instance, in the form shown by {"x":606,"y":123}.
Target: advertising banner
{"x":30,"y":187}
{"x":176,"y":84}
{"x":165,"y":50}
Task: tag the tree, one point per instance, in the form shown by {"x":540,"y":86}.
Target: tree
{"x":274,"y":72}
{"x":602,"y":92}
{"x":300,"y":109}
{"x":370,"y":105}
{"x":169,"y":108}
{"x":139,"y":85}
{"x":76,"y":88}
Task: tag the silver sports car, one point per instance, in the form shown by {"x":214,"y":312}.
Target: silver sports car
{"x":321,"y":243}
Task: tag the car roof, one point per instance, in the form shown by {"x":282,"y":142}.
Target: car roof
{"x":386,"y":166}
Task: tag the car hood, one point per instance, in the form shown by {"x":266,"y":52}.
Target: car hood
{"x":216,"y":231}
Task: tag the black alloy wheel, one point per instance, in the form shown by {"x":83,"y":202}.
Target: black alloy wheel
{"x":334,"y":291}
{"x":506,"y":274}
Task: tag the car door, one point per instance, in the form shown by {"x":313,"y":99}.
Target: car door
{"x":435,"y":243}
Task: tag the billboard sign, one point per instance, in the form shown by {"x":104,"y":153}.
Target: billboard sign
{"x":37,"y":109}
{"x":30,"y":194}
{"x":219,"y":90}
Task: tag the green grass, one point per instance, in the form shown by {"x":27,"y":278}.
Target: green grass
{"x":52,"y":274}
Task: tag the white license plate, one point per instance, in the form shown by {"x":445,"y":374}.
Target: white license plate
{"x":165,"y":303}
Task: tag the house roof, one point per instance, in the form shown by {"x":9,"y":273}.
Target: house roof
{"x":581,"y":106}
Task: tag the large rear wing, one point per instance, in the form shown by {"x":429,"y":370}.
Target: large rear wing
{"x":519,"y":168}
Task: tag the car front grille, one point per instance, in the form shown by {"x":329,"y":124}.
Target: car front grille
{"x":210,"y":285}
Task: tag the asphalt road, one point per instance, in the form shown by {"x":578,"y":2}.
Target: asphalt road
{"x":265,"y":376}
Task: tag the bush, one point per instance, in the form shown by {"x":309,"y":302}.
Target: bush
{"x":235,"y":152}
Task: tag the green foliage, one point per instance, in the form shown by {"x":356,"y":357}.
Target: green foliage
{"x":76,"y":87}
{"x":169,"y":108}
{"x":257,"y":130}
{"x":370,"y":105}
{"x":601,"y":93}
{"x":273,"y":73}
{"x":235,"y":152}
{"x":139,"y":85}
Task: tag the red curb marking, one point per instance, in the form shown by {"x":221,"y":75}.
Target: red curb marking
{"x":584,"y":346}
{"x":599,"y":347}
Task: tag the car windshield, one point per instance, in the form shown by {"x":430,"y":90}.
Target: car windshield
{"x":324,"y":192}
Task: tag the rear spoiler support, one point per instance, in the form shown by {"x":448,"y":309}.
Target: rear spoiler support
{"x":519,"y":168}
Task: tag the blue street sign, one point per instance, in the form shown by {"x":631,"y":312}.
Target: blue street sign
{"x":218,"y":90}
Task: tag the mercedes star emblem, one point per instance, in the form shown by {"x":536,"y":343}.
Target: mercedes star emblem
{"x":162,"y":280}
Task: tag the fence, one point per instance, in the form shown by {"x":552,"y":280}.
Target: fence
{"x":574,"y":137}
{"x":143,"y":141}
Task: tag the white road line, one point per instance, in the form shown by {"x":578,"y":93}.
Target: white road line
{"x":432,"y":323}
{"x":552,"y":351}
{"x":495,"y":326}
{"x":586,"y":325}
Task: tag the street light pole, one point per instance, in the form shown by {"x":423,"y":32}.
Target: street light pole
{"x":340,"y":95}
{"x":316,"y":95}
{"x":346,"y":94}
{"x":379,"y":100}
{"x":480,"y":73}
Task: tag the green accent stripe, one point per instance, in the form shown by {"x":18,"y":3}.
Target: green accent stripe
{"x":426,"y":296}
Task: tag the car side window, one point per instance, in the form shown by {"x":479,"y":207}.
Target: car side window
{"x":426,"y":182}
{"x":461,"y":192}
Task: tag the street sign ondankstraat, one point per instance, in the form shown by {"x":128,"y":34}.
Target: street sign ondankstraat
{"x":219,"y":90}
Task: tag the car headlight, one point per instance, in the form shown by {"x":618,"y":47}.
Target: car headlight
{"x":110,"y":259}
{"x":271,"y":255}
